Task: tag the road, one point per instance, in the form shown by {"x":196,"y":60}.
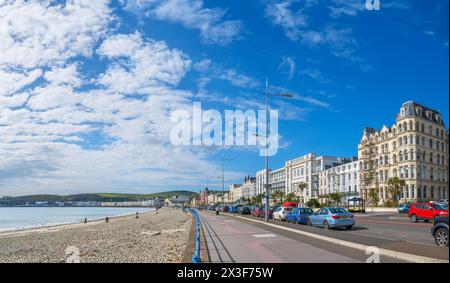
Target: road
{"x":230,"y":239}
{"x":394,"y":227}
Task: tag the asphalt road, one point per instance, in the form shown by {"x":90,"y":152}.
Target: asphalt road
{"x":230,"y":239}
{"x":389,"y":231}
{"x":394,"y":227}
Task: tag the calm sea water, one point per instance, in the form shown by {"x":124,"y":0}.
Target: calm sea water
{"x":12,"y":218}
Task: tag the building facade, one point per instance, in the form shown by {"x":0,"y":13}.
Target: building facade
{"x":343,"y":179}
{"x":305,"y":170}
{"x":414,"y":149}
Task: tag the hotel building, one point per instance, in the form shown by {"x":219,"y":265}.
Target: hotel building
{"x":414,"y":149}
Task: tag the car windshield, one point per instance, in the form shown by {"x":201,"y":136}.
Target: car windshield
{"x":338,"y":210}
{"x":287,"y":209}
{"x":440,"y":206}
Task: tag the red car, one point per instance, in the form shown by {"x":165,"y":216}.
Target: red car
{"x":259,"y":212}
{"x":427,"y":211}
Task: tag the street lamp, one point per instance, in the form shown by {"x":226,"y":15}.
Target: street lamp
{"x":223,"y":175}
{"x":267,"y":94}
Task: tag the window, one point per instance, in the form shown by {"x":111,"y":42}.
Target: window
{"x":422,"y":128}
{"x":406,"y":155}
{"x":410,"y":125}
{"x":400,"y":156}
{"x":431,"y":143}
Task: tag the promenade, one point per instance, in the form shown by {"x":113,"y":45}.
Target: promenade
{"x":245,"y":239}
{"x":230,"y":240}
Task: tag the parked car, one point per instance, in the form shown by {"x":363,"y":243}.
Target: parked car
{"x":332,"y":217}
{"x":403,"y":208}
{"x":257,"y":212}
{"x":233,"y":209}
{"x":263,"y":212}
{"x":244,"y":210}
{"x":281,"y":212}
{"x":299,"y":215}
{"x":427,"y":211}
{"x":440,"y":231}
{"x":224,"y":208}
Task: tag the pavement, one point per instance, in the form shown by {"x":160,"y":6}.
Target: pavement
{"x":230,"y":239}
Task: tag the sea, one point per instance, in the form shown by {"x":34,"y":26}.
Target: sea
{"x":18,"y":218}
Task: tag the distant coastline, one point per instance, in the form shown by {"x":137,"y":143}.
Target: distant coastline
{"x":22,"y":221}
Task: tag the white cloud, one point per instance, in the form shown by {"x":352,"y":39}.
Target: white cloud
{"x":149,"y":63}
{"x":283,"y":13}
{"x":210,"y":70}
{"x":193,"y":15}
{"x":288,"y":67}
{"x":62,"y":133}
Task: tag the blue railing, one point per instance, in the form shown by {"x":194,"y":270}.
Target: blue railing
{"x":196,"y":258}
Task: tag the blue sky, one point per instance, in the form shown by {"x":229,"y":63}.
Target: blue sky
{"x":86,"y":89}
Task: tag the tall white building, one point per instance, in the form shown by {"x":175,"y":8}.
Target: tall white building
{"x":343,"y":179}
{"x":306,"y":169}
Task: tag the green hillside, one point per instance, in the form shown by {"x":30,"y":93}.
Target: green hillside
{"x":101,"y":197}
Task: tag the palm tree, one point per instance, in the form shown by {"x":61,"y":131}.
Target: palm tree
{"x":335,"y":197}
{"x":278,"y":195}
{"x":290,"y":197}
{"x":395,"y":188}
{"x":301,"y":187}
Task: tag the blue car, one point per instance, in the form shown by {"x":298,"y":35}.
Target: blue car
{"x":332,"y":217}
{"x":403,"y":208}
{"x":299,"y":215}
{"x":233,"y":209}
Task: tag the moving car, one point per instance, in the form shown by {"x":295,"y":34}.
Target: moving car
{"x":332,"y":217}
{"x":281,"y":212}
{"x":403,"y":208}
{"x":440,"y":231}
{"x":427,"y":211}
{"x":299,"y":215}
{"x":244,"y":210}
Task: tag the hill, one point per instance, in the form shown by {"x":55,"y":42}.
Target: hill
{"x":101,"y":197}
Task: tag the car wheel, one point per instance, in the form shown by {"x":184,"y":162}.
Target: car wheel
{"x":326,"y":226}
{"x":349,"y":227}
{"x":309,"y":222}
{"x":296,"y":221}
{"x":413,"y":218}
{"x":441,"y":237}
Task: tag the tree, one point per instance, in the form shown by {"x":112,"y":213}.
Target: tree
{"x":395,"y":186}
{"x":374,"y":198}
{"x":336,"y":198}
{"x":278,"y":195}
{"x":301,"y":187}
{"x":313,"y":203}
{"x":290,"y":197}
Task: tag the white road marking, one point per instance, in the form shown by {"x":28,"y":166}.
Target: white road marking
{"x":264,"y":236}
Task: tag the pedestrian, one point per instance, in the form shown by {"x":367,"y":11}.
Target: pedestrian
{"x":137,"y":215}
{"x":85,"y":221}
{"x":107,"y":220}
{"x":217,"y":210}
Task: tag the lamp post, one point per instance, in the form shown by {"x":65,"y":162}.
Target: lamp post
{"x":267,"y":94}
{"x":223,"y":176}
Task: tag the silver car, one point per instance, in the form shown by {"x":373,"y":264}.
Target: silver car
{"x":280,"y":213}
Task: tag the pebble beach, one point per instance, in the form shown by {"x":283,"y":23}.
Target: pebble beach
{"x":155,"y":237}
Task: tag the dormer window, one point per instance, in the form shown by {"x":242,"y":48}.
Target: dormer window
{"x":429,"y":115}
{"x":403,"y":111}
{"x":419,"y":111}
{"x":438,"y":118}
